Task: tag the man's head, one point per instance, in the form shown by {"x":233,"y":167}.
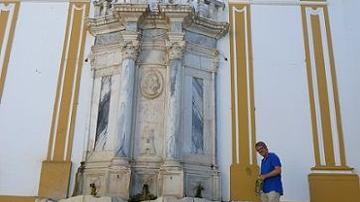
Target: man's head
{"x":261,"y":148}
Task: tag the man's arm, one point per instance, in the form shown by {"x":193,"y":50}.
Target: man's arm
{"x":273,"y":173}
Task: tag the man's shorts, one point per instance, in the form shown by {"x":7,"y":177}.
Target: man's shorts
{"x":272,"y":196}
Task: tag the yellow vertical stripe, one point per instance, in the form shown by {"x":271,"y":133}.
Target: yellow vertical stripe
{"x":335,"y":89}
{"x":251,"y":93}
{"x":329,"y":107}
{"x":244,"y":169}
{"x":322,"y":91}
{"x":4,"y":15}
{"x":233,"y":89}
{"x":68,"y":84}
{"x":310,"y":88}
{"x":242,"y":86}
{"x":5,"y":50}
{"x":77,"y":77}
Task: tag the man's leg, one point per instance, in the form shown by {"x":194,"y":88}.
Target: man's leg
{"x":264,"y":197}
{"x":273,"y":196}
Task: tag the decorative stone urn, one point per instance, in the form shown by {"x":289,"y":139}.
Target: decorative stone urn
{"x":152,"y":119}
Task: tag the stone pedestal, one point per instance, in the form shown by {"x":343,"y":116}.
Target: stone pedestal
{"x":110,"y":178}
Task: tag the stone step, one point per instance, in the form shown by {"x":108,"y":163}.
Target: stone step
{"x":90,"y":198}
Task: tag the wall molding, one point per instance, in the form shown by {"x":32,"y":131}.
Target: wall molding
{"x":9,"y":11}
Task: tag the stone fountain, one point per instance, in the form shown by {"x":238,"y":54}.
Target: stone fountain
{"x":152,"y":129}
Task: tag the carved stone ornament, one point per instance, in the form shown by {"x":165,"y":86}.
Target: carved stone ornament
{"x":151,"y":84}
{"x":176,"y":49}
{"x":130,"y":50}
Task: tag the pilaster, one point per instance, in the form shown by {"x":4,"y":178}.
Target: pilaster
{"x":55,"y":171}
{"x":171,"y":172}
{"x":331,"y":179}
{"x":244,"y":169}
{"x":9,"y":11}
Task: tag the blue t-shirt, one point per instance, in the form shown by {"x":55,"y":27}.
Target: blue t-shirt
{"x":272,"y":183}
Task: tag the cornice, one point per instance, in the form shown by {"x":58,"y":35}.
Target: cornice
{"x":130,"y":8}
{"x":217,"y":3}
{"x":104,"y":24}
{"x":100,"y":49}
{"x":206,"y":26}
{"x":160,"y":45}
{"x":175,"y":8}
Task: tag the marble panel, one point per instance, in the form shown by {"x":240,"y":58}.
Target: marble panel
{"x":192,"y":60}
{"x":205,"y":63}
{"x":197,"y":132}
{"x":149,"y":124}
{"x":102,"y":128}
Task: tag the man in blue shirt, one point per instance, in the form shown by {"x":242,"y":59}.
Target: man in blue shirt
{"x":270,"y":174}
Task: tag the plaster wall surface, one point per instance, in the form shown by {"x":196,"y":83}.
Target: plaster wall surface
{"x":282,"y":111}
{"x":29,"y":94}
{"x":223,"y":110}
{"x":346,"y":43}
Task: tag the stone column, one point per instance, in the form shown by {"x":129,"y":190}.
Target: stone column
{"x":175,"y":46}
{"x":171,"y":175}
{"x":125,"y":108}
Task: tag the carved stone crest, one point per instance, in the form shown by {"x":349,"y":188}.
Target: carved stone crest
{"x":151,"y":84}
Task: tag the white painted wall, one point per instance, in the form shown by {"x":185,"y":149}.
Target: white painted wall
{"x":345,"y":29}
{"x":27,"y":102}
{"x":281,"y":95}
{"x":223,"y":110}
{"x":281,"y":91}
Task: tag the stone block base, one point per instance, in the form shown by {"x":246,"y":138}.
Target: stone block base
{"x":242,"y":182}
{"x":109,"y":177}
{"x":54,"y":179}
{"x":171,"y":180}
{"x":331,"y":187}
